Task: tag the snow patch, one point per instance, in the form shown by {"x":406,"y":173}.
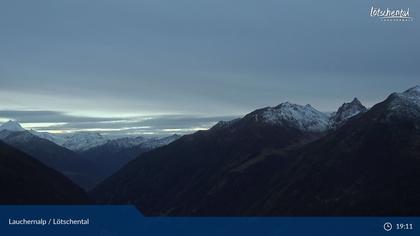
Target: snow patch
{"x":12,"y":126}
{"x":84,"y":140}
{"x":346,"y":111}
{"x":305,"y":118}
{"x":406,"y":103}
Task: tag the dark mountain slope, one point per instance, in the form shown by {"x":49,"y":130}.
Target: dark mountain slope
{"x":111,"y":157}
{"x":78,"y":169}
{"x":24,"y":180}
{"x":114,"y":154}
{"x":370,"y":166}
{"x":180,"y":177}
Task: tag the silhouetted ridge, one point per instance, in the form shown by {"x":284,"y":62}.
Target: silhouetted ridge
{"x":24,"y":180}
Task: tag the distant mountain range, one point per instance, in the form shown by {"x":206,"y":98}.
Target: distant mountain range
{"x":79,"y":141}
{"x":76,"y":155}
{"x":78,"y":169}
{"x":284,"y":160}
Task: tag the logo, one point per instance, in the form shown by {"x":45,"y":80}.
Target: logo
{"x":388,"y":14}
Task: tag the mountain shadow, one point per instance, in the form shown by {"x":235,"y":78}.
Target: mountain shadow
{"x":24,"y":180}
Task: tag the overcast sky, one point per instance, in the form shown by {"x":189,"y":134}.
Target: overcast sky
{"x":162,"y":66}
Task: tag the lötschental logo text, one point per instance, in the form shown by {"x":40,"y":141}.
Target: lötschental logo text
{"x":389,"y":14}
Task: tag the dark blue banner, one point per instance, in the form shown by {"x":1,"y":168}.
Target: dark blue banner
{"x":126,"y":220}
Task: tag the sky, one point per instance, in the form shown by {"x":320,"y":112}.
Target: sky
{"x":164,"y":66}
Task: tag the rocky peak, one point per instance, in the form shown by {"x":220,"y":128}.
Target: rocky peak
{"x":346,"y":111}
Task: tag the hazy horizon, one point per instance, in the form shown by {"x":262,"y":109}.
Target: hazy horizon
{"x":128,"y":126}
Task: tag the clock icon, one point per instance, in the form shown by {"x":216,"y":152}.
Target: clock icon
{"x":387,"y":226}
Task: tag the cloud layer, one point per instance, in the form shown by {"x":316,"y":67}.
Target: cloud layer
{"x":54,"y":121}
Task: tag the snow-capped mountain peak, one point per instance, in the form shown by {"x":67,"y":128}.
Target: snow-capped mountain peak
{"x":405,"y":104}
{"x":146,"y":143}
{"x":415,"y":89}
{"x":346,"y":111}
{"x":82,"y":141}
{"x":12,"y":126}
{"x":413,"y":94}
{"x":305,"y":118}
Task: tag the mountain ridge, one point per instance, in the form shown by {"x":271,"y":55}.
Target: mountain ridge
{"x":244,"y":167}
{"x":24,"y":180}
{"x":346,"y":111}
{"x":69,"y":163}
